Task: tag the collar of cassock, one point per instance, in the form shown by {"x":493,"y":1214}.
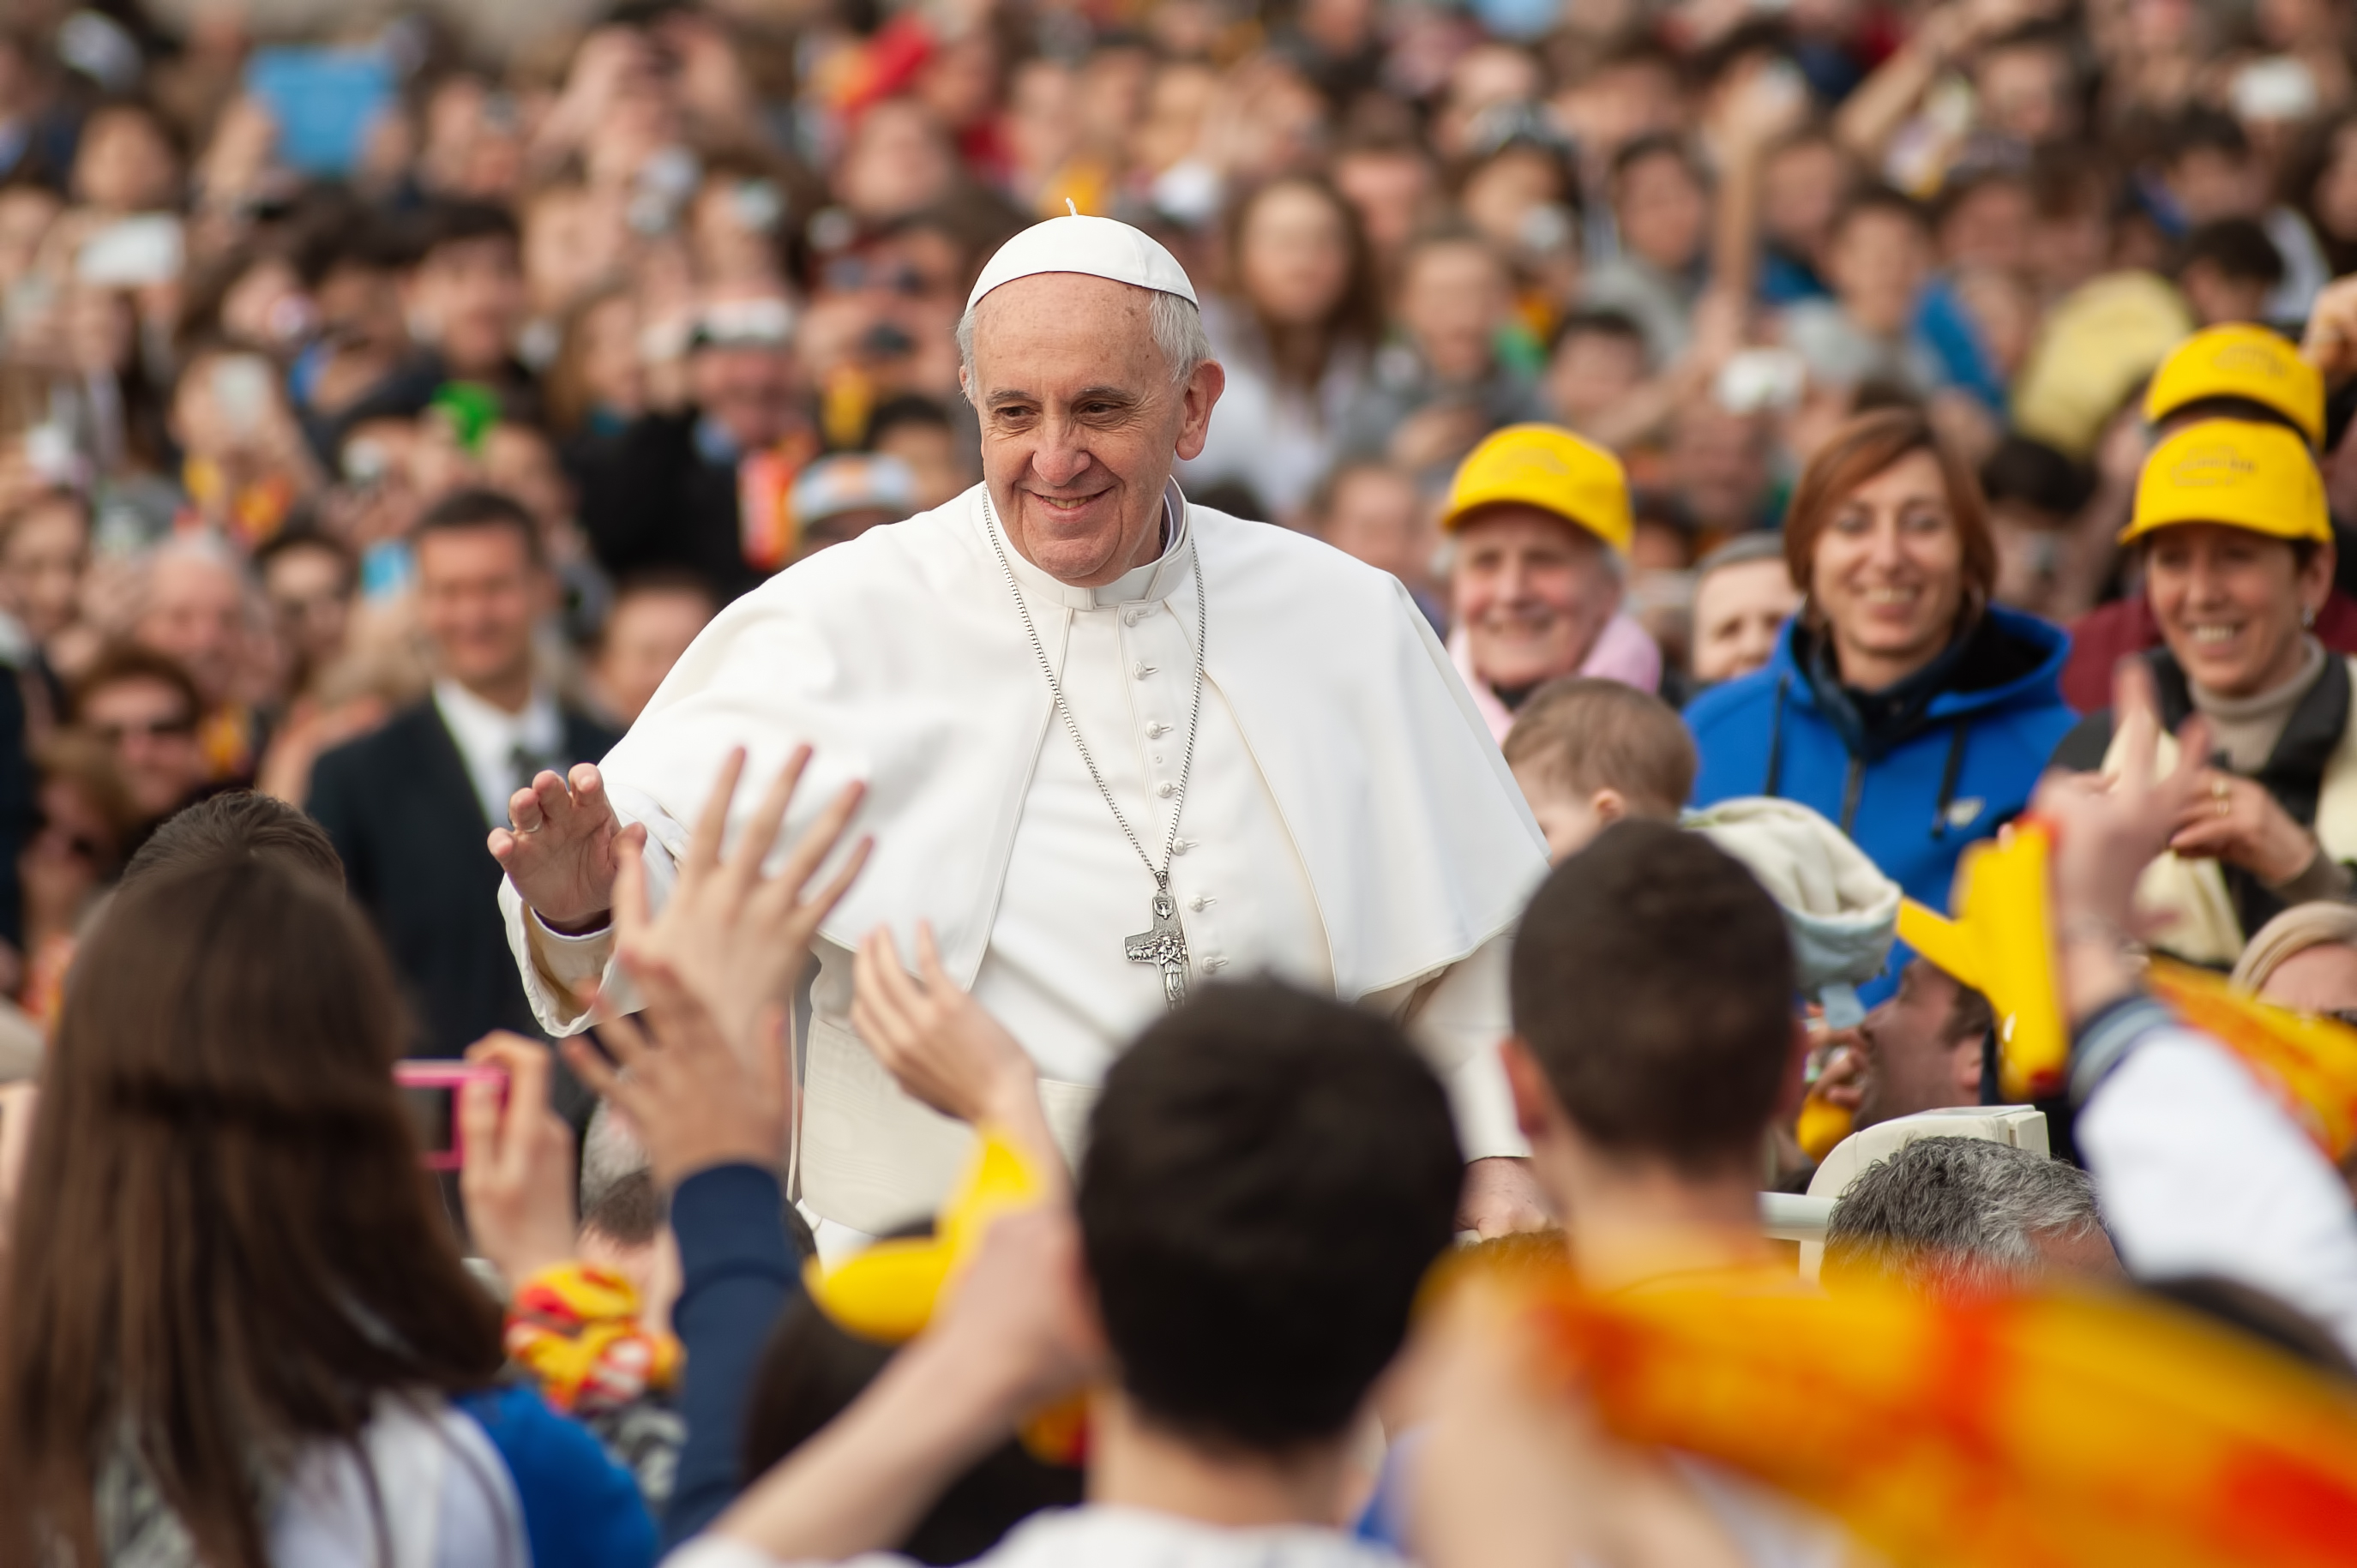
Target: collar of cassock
{"x":1155,"y":581}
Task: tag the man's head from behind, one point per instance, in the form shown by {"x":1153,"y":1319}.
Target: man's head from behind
{"x":1589,"y":752}
{"x":1269,"y":1175}
{"x":1948,"y":1214}
{"x":1653,"y":1003}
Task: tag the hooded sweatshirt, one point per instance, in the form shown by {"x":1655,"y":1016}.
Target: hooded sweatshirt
{"x":1912,"y":773}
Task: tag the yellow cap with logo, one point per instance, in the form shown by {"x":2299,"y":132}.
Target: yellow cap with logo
{"x":2234,"y":472}
{"x":2244,"y":361}
{"x":1548,"y":467}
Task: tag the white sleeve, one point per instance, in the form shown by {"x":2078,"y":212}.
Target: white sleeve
{"x":554,"y":966}
{"x":2199,"y":1170}
{"x":1456,"y":1021}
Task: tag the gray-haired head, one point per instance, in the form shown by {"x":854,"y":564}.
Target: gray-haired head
{"x":1176,"y":324}
{"x":1760,"y":544}
{"x":1948,"y":1214}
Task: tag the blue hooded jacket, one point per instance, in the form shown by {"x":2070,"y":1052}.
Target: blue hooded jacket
{"x":1913,"y":775}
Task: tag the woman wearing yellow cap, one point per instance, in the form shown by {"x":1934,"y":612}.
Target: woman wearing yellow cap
{"x":2238,"y":557}
{"x":1539,"y":526}
{"x":1899,"y":703}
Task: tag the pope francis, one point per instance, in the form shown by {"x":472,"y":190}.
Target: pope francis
{"x":1114,"y":745}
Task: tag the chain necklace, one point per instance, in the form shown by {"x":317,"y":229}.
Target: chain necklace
{"x":1164,"y":944}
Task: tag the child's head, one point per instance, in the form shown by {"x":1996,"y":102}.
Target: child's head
{"x":1589,"y":752}
{"x":1652,"y":988}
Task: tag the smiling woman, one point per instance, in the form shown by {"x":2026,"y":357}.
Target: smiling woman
{"x":2237,"y":555}
{"x":1899,"y":703}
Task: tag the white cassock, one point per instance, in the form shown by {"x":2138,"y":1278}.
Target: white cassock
{"x":1348,"y":825}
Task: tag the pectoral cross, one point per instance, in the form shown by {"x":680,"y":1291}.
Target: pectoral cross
{"x":1165,"y":945}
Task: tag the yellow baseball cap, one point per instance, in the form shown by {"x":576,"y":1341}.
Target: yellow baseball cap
{"x":2244,"y":361}
{"x":2234,"y":472}
{"x":1548,"y":467}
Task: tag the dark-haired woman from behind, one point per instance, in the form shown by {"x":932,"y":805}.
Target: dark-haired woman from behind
{"x":237,"y":1331}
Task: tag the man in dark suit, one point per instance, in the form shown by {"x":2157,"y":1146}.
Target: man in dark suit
{"x":409,"y":806}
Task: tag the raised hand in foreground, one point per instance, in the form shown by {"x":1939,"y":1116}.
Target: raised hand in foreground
{"x":735,"y":939}
{"x":2106,"y":830}
{"x":517,"y":1182}
{"x":943,"y":1048}
{"x":695,"y":1098}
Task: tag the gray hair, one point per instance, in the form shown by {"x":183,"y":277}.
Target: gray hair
{"x":1944,"y":1214}
{"x":1178,"y":328}
{"x":1760,"y":544}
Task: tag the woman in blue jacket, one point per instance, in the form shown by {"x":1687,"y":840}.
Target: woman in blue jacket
{"x":1900,"y":703}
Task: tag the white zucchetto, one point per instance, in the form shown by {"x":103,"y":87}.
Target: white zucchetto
{"x":1101,"y":247}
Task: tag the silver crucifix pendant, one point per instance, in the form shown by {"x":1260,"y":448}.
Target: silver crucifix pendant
{"x":1165,"y":945}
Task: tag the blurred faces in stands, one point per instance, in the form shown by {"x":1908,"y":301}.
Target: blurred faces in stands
{"x":465,"y":293}
{"x":43,"y":553}
{"x":742,"y":370}
{"x":480,"y":589}
{"x":1742,"y":597}
{"x":195,"y":612}
{"x":142,"y":706}
{"x":1374,"y":512}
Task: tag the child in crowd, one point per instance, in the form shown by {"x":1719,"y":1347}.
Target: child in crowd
{"x":1589,"y":752}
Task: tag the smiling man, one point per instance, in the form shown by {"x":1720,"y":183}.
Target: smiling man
{"x":1115,"y":745}
{"x":1539,"y":528}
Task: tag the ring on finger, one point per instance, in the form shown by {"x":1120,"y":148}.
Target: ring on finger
{"x":533,"y":829}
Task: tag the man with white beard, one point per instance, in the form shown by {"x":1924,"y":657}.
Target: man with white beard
{"x":1113,"y":745}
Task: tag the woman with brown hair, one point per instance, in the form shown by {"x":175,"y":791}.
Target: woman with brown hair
{"x":236,"y":1331}
{"x":1899,"y":703}
{"x":1294,"y":327}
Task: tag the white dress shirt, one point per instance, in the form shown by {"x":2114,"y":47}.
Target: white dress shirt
{"x":489,"y":737}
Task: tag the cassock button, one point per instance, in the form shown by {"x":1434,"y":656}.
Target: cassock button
{"x":1157,"y":731}
{"x":1134,"y":617}
{"x":1213,"y":965}
{"x":1196,"y":903}
{"x":1143,"y":670}
{"x":1166,"y":790}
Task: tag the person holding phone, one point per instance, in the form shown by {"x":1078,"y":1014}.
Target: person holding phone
{"x":278,"y":1355}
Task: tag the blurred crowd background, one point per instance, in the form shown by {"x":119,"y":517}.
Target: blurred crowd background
{"x":681,"y":281}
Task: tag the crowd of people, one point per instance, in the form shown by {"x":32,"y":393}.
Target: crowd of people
{"x":1805,"y":439}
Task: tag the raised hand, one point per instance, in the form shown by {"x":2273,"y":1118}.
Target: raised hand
{"x":734,"y":938}
{"x":931,"y":1036}
{"x":696,"y":1098}
{"x":943,"y":1048}
{"x":517,"y":1182}
{"x":2108,"y":829}
{"x":564,"y":847}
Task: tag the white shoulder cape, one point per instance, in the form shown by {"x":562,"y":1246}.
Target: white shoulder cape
{"x":900,"y":659}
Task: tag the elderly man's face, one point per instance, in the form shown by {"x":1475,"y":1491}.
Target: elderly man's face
{"x":1081,"y":422}
{"x":1531,"y":593}
{"x":196,"y":613}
